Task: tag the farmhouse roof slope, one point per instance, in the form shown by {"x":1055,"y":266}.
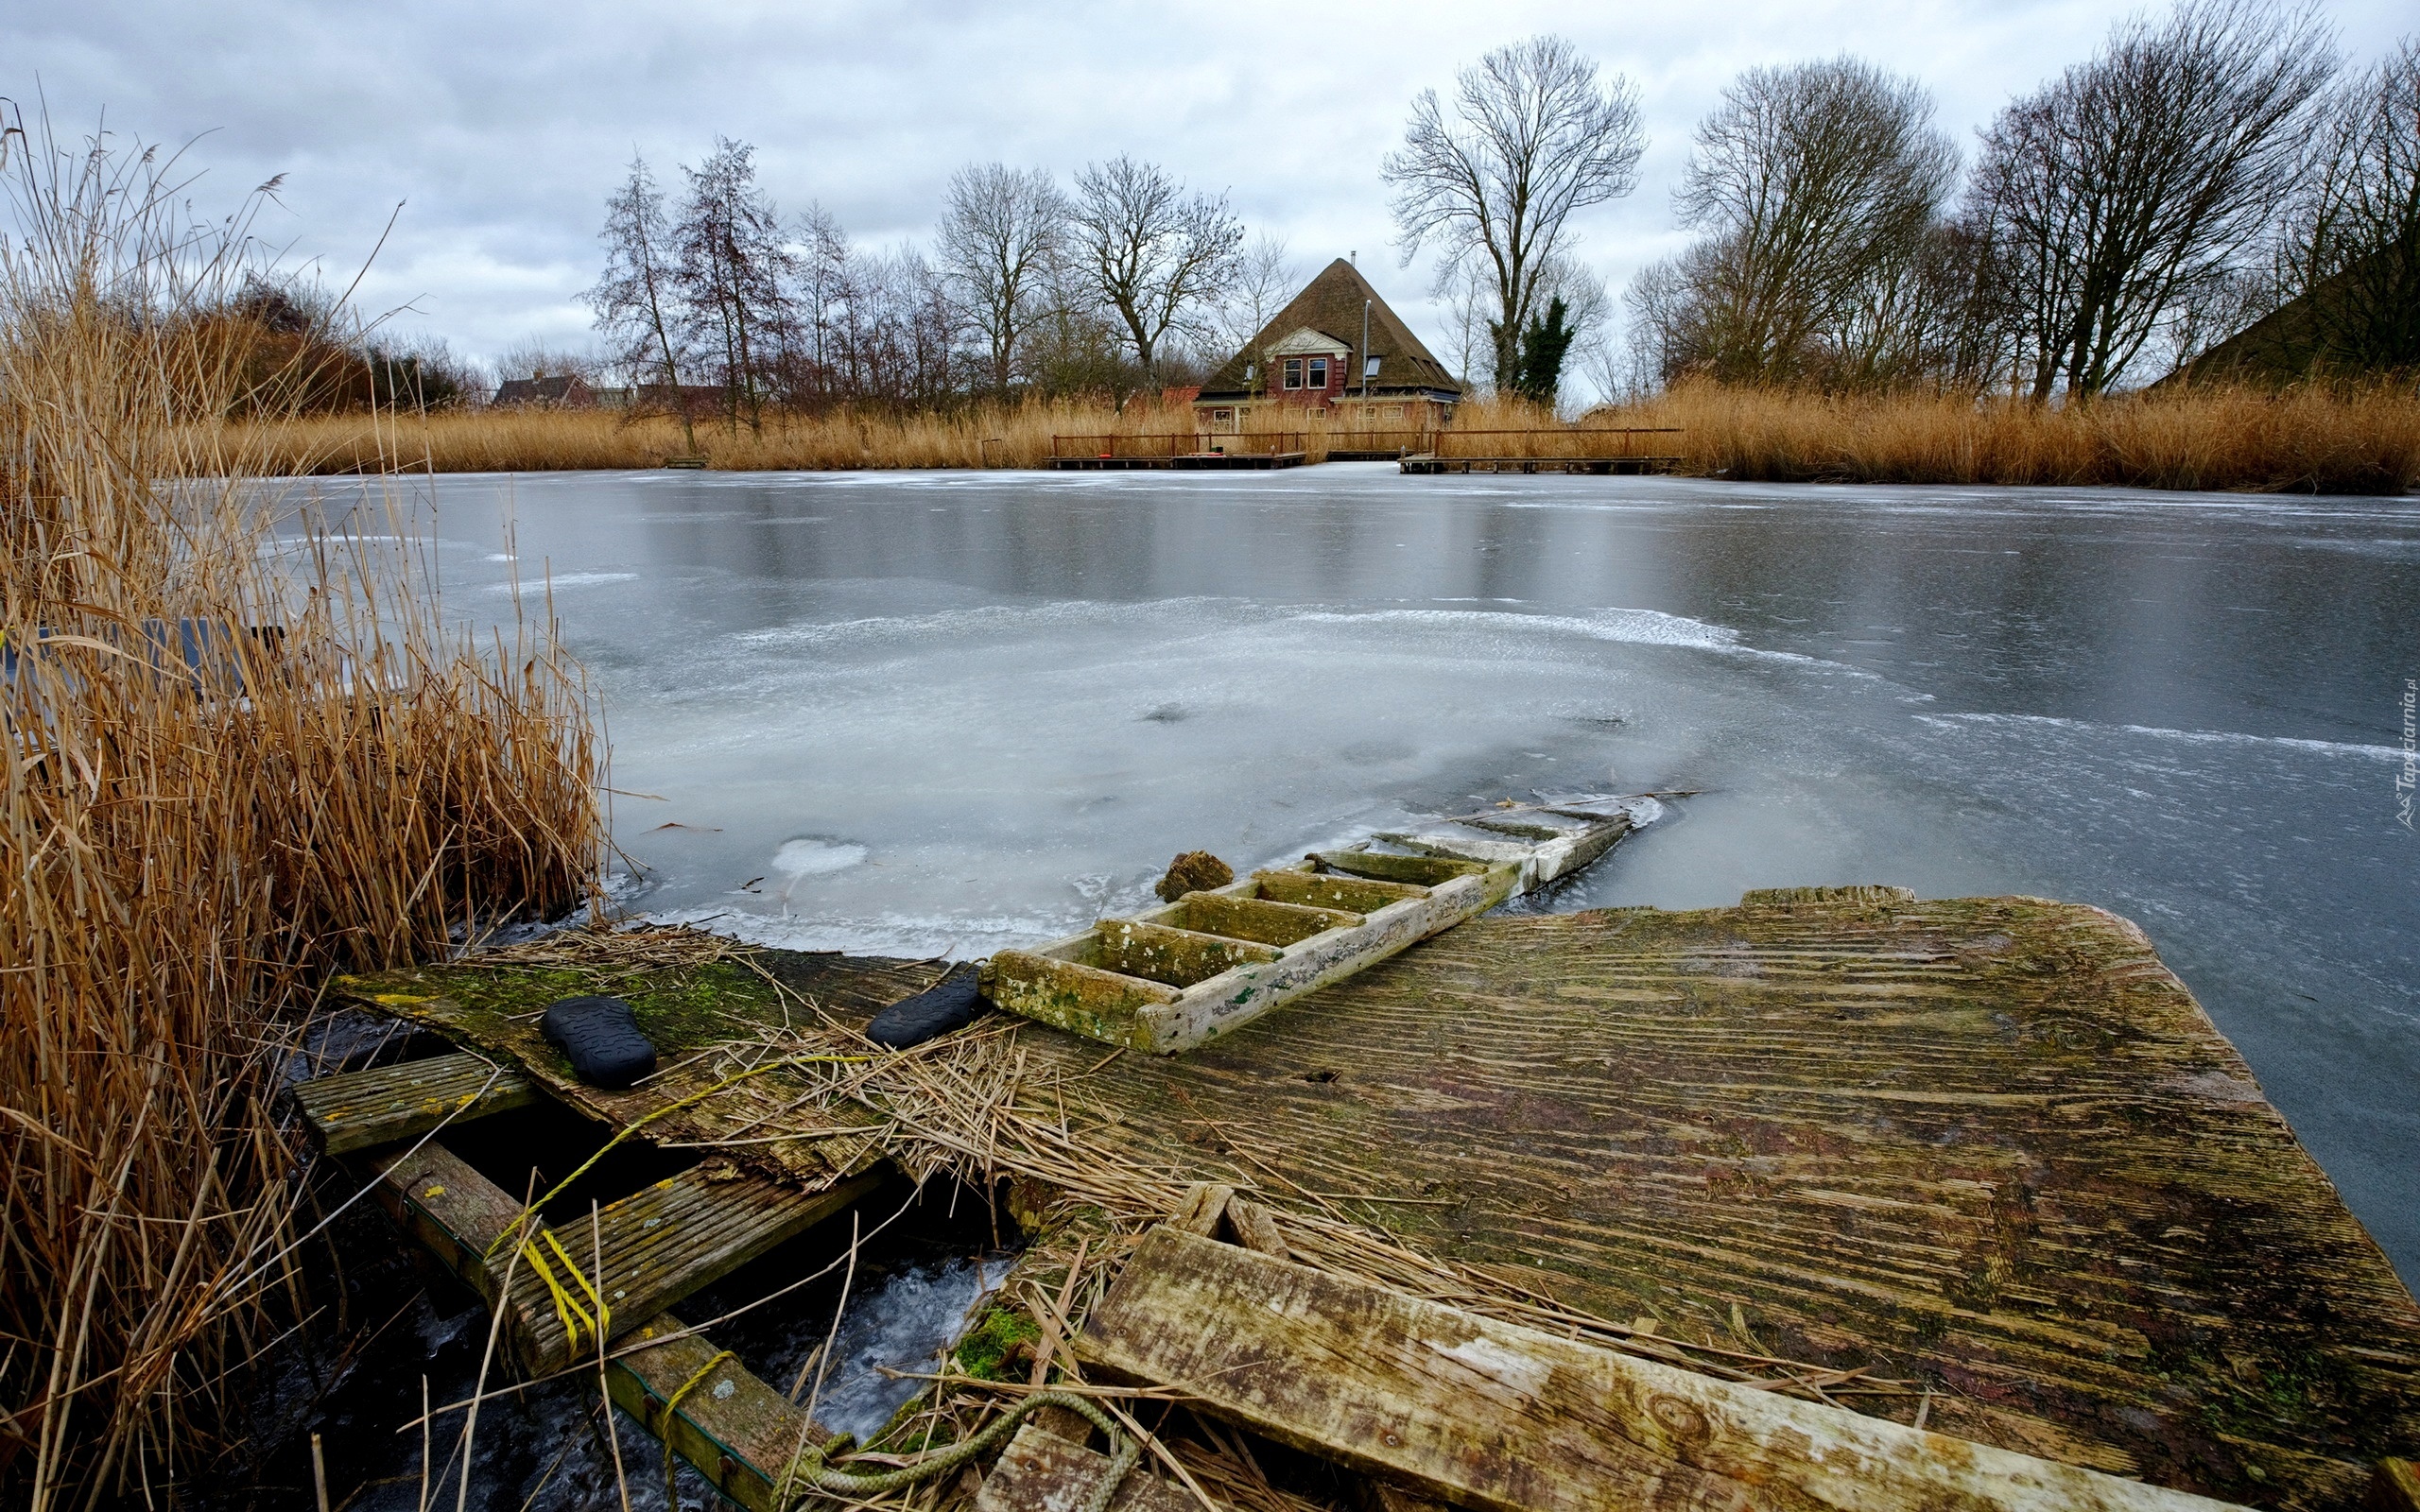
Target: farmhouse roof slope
{"x":1331,"y":305}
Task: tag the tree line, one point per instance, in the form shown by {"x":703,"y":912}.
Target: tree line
{"x":1126,"y":280}
{"x":2202,"y":170}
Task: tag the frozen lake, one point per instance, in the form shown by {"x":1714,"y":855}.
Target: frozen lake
{"x":937,"y":714}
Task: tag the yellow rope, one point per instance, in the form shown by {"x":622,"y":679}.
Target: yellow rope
{"x":669,"y":1107}
{"x":671,"y":1405}
{"x":567,"y":1307}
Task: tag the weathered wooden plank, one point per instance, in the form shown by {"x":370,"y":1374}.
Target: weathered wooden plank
{"x":733,"y":1428}
{"x":737,"y":1430}
{"x":1254,"y":918}
{"x":1040,"y":1472}
{"x":657,"y":1246}
{"x":359,"y":1109}
{"x":1256,"y":1229}
{"x":1490,"y":1416}
{"x":1086,"y":1000}
{"x":670,"y":1239}
{"x":1420,"y":871}
{"x":1325,"y":889}
{"x":1179,"y":958}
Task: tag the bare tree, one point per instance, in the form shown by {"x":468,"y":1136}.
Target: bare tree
{"x":1266,"y":278}
{"x":2351,"y":245}
{"x":735,"y":266}
{"x":637,"y":299}
{"x":1158,"y":256}
{"x":996,"y":239}
{"x":2112,"y":195}
{"x":1811,"y":182}
{"x":1533,"y":140}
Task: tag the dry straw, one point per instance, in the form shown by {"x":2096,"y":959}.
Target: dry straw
{"x":239,"y":753}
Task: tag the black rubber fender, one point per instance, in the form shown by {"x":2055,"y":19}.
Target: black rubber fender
{"x":949,"y":1003}
{"x":601,"y":1038}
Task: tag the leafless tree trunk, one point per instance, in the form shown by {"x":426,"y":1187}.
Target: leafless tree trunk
{"x":1533,"y":140}
{"x":996,"y":239}
{"x":634,"y":300}
{"x":1153,"y":253}
{"x":1812,"y":182}
{"x":2111,"y":195}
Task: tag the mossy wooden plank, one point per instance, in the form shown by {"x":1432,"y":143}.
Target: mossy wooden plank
{"x":1253,"y":918}
{"x":1086,"y":1000}
{"x":360,"y":1108}
{"x":733,"y":1428}
{"x":1179,"y":958}
{"x":1420,"y":871}
{"x":1326,"y":889}
{"x":1040,"y":1472}
{"x":1488,"y":1415}
{"x":681,"y":1009}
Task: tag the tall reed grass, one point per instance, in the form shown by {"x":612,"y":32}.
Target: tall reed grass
{"x":2313,"y":440}
{"x":2328,"y":440}
{"x":235,"y":754}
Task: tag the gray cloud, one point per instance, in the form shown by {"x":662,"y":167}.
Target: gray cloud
{"x":500,"y":127}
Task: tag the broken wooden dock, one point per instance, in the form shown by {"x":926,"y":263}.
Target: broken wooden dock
{"x":1988,"y":1147}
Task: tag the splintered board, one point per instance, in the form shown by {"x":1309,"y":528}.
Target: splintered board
{"x":1487,"y":1415}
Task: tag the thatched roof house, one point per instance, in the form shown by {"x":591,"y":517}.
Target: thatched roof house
{"x":1314,"y":356}
{"x":559,"y":391}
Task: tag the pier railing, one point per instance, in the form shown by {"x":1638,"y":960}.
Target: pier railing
{"x":1180,"y":443}
{"x":1611,"y":443}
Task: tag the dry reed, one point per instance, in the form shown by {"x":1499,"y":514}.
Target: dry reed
{"x":2331,"y":440}
{"x":239,"y":754}
{"x":2311,"y":440}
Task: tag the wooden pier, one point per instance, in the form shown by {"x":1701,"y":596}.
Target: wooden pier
{"x":1598,"y":452}
{"x":1183,"y":452}
{"x":1987,"y":1148}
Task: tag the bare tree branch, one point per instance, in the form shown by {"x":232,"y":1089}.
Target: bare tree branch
{"x":1531,"y":141}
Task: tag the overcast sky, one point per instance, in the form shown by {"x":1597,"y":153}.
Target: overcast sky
{"x":500,"y":125}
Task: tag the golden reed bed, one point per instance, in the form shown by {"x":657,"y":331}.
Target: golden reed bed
{"x":234,"y":763}
{"x":2307,"y":441}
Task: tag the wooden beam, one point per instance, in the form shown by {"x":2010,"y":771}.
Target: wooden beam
{"x":1042,"y":1473}
{"x":658,"y":1245}
{"x":360,"y":1109}
{"x":1488,"y":1415}
{"x":674,"y":1238}
{"x":737,"y":1430}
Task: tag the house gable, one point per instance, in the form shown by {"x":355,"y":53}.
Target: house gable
{"x":1329,"y":312}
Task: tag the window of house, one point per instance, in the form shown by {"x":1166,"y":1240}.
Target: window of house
{"x":1293,"y":372}
{"x":1368,"y":369}
{"x":1319,"y":373}
{"x":1392,"y":412}
{"x":1252,"y":370}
